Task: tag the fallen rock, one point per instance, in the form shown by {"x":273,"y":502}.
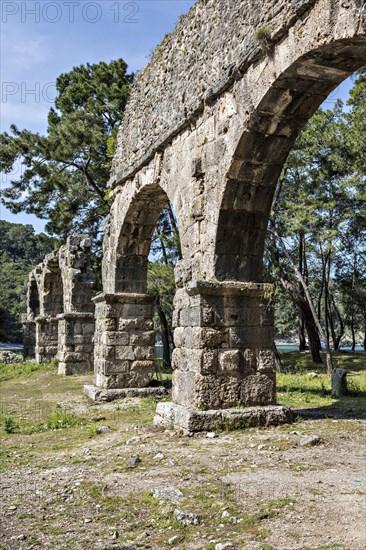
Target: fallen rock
{"x":223,"y":545}
{"x":187,"y":518}
{"x":103,"y":429}
{"x":133,"y":461}
{"x":133,"y":440}
{"x":171,"y":494}
{"x":310,"y":440}
{"x":211,"y":435}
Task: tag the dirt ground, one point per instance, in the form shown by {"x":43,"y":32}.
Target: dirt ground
{"x":254,"y":489}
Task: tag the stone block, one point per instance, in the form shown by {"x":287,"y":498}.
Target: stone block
{"x":115,"y":338}
{"x":171,"y":415}
{"x":142,"y":338}
{"x":266,"y":360}
{"x":190,"y":317}
{"x":144,"y":352}
{"x":250,"y":361}
{"x":209,"y":362}
{"x":115,"y":367}
{"x":124,"y":352}
{"x":258,"y":389}
{"x":135,"y":324}
{"x":107,"y":352}
{"x":187,"y":360}
{"x":251,"y":337}
{"x":229,"y":361}
{"x":143,"y":367}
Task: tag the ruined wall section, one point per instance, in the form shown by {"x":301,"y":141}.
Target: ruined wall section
{"x":59,"y":322}
{"x":211,"y":47}
{"x":76,"y":324}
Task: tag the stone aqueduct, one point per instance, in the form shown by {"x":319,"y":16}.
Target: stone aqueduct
{"x":208,"y":127}
{"x":59,"y":322}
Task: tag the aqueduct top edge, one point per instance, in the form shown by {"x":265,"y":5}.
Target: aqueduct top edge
{"x":211,"y":47}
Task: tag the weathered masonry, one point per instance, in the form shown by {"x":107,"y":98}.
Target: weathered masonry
{"x":59,"y":323}
{"x":209,"y":126}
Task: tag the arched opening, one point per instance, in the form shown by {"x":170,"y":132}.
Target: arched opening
{"x":33,"y":298}
{"x":148,"y":249}
{"x":135,"y":239}
{"x":260,"y":157}
{"x":263,"y":149}
{"x":53,"y":290}
{"x":125,"y":351}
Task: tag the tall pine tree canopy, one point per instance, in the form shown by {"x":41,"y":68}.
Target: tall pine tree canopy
{"x":64,"y":173}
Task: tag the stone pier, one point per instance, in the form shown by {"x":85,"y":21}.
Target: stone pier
{"x":46,"y":339}
{"x":75,"y":343}
{"x":224,"y":360}
{"x":124,"y":347}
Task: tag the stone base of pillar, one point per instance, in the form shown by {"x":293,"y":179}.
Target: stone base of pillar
{"x":29,"y":338}
{"x":171,"y":415}
{"x":224,"y":346}
{"x":124,"y":343}
{"x":75,"y":343}
{"x":46,"y":339}
{"x":102,"y":395}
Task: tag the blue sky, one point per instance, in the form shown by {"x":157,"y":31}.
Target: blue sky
{"x":42,"y":39}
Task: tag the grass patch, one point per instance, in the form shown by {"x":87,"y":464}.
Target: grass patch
{"x":299,"y":389}
{"x":15,"y":370}
{"x":301,"y":361}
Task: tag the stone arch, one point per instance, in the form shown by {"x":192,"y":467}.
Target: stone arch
{"x":124,"y":354}
{"x":263,"y":148}
{"x":134,"y":240}
{"x":29,"y":318}
{"x":33,"y":300}
{"x":52,"y":298}
{"x":213,"y":124}
{"x":60,"y":313}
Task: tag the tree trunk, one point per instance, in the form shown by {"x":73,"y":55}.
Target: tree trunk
{"x":302,"y":341}
{"x":314,"y":340}
{"x":308,"y":300}
{"x":165,"y":336}
{"x":277,"y":357}
{"x":174,"y":225}
{"x":338,"y":337}
{"x":311,"y":329}
{"x":353,"y":333}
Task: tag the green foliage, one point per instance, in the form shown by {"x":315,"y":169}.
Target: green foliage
{"x":20,"y":250}
{"x":300,"y":389}
{"x":161,"y":282}
{"x":10,"y":371}
{"x":10,"y":425}
{"x":321,"y":215}
{"x":263,"y":36}
{"x":60,"y":419}
{"x":65,"y":173}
